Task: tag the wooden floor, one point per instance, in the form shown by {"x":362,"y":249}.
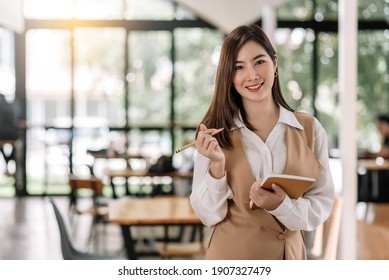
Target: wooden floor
{"x":28,"y":231}
{"x":373,"y":232}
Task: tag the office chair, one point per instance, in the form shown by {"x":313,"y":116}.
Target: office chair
{"x":99,"y":208}
{"x":68,"y":251}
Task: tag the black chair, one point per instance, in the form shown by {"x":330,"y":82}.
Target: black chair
{"x":68,"y":251}
{"x":98,"y":209}
{"x":373,"y":186}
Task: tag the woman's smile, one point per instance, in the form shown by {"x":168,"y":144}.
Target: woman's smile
{"x":255,"y":88}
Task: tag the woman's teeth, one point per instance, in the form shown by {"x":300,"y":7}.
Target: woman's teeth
{"x":254,"y":87}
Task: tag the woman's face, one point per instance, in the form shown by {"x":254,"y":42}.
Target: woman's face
{"x":253,"y":76}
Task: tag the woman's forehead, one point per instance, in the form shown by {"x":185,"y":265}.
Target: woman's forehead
{"x":250,"y":50}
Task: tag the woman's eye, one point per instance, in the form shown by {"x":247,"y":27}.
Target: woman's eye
{"x":238,"y":67}
{"x":260,"y":62}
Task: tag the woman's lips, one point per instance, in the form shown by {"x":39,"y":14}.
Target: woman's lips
{"x":255,"y":87}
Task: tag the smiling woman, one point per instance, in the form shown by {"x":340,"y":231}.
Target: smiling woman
{"x":262,"y":135}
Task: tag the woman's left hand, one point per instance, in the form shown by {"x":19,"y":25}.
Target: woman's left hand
{"x":266,"y":199}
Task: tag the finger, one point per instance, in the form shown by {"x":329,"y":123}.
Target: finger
{"x":256,"y":185}
{"x":203,"y":142}
{"x":212,"y":144}
{"x":202,"y":127}
{"x":278,"y":190}
{"x":203,"y":135}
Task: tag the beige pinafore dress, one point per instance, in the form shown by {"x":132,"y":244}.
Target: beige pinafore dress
{"x":256,"y":234}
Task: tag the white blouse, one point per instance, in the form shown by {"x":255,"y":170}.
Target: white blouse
{"x":209,"y":195}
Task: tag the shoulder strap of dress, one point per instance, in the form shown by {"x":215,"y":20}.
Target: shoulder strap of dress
{"x":308,"y":123}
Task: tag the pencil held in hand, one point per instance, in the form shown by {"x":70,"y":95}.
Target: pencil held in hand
{"x":194,"y":142}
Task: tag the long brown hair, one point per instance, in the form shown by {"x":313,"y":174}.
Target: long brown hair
{"x":226,"y":102}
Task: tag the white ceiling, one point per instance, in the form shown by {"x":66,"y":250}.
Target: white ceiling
{"x":228,"y":14}
{"x":11,"y":15}
{"x":223,"y":14}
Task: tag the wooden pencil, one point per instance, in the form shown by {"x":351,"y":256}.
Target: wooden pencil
{"x":194,"y":142}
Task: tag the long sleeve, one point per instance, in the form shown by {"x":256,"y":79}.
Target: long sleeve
{"x":314,"y":207}
{"x":209,"y":195}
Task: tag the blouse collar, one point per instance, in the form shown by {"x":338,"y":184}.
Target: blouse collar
{"x":287,"y":117}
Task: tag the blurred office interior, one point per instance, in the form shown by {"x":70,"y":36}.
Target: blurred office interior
{"x":132,"y":79}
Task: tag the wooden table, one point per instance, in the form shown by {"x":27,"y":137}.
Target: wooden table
{"x":374,"y":164}
{"x":157,"y":211}
{"x":127,"y":173}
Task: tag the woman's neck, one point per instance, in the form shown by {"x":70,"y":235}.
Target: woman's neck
{"x":262,"y":119}
{"x":260,"y":112}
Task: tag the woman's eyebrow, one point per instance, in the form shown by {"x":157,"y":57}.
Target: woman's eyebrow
{"x":254,"y":58}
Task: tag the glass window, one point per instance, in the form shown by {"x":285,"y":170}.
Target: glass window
{"x":7,"y":65}
{"x":99,"y":72}
{"x":150,"y":143}
{"x":326,"y":10}
{"x":295,"y":48}
{"x":295,"y":10}
{"x":327,"y":99}
{"x":373,"y":86}
{"x":48,"y":87}
{"x":197,"y":56}
{"x":373,"y":10}
{"x":149,"y":77}
{"x":48,"y":72}
{"x":119,"y":75}
{"x":99,"y":89}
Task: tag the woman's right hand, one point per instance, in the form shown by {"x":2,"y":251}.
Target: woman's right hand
{"x":208,"y":146}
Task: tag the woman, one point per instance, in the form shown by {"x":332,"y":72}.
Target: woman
{"x":262,"y":135}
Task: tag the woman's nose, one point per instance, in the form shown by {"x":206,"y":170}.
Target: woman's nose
{"x":252,"y":74}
